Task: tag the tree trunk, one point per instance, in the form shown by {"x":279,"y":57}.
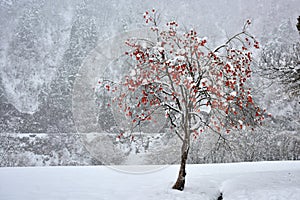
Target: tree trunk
{"x":179,"y":185}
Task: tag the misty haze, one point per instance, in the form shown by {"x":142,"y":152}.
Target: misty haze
{"x":152,"y":84}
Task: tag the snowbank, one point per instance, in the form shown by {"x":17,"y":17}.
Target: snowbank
{"x":263,"y":180}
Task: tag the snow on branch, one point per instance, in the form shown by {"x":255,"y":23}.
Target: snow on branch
{"x":196,"y":86}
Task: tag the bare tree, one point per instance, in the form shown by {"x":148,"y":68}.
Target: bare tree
{"x":280,"y":59}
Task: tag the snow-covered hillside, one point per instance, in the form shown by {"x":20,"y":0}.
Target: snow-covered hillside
{"x":44,"y":45}
{"x":263,"y":180}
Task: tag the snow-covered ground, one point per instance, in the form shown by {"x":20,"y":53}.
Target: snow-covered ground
{"x":262,"y":180}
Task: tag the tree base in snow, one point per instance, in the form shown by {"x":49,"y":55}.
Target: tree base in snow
{"x":179,"y":185}
{"x":220,"y":197}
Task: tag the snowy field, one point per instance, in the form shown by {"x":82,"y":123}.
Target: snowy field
{"x":263,"y":180}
